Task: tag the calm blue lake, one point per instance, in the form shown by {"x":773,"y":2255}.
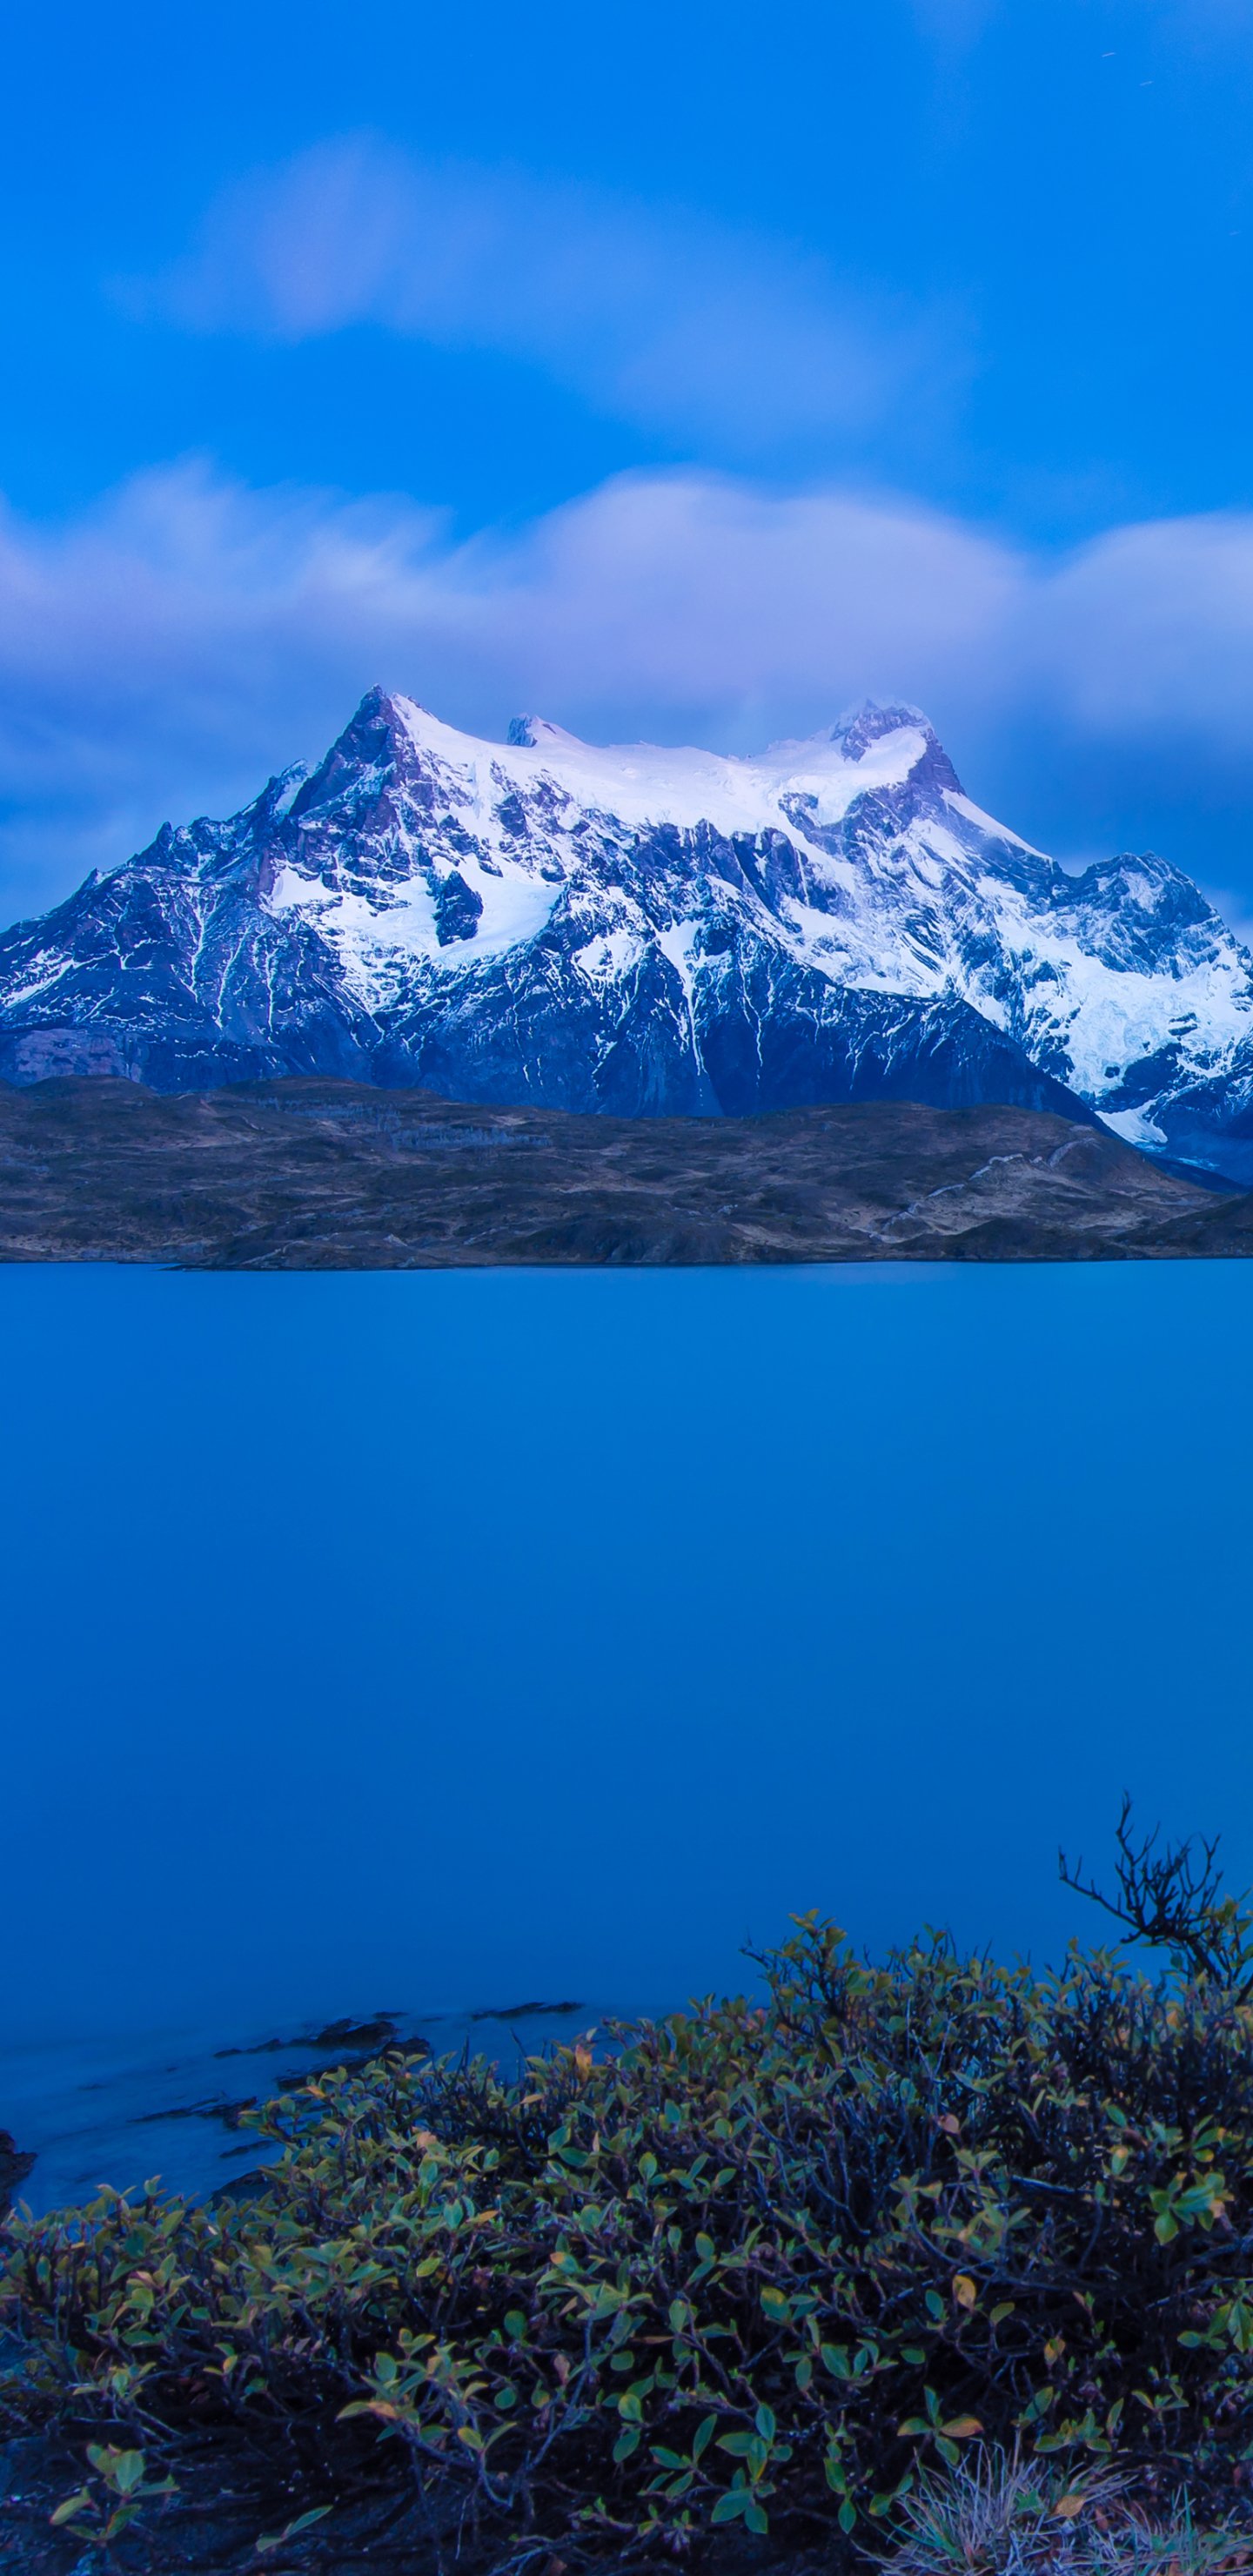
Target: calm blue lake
{"x":440,"y":1640}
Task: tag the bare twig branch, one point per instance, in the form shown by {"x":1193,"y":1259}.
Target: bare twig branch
{"x":1172,"y":1898}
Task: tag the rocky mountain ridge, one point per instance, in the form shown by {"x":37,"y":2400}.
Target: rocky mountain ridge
{"x":646,"y":932}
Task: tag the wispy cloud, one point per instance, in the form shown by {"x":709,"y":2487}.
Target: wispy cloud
{"x":661,"y":316}
{"x":164,"y":652}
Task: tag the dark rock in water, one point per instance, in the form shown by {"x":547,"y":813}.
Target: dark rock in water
{"x":14,"y":2167}
{"x":357,"y":2035}
{"x":352,"y":2043}
{"x":217,"y":2108}
{"x":523,"y":2012}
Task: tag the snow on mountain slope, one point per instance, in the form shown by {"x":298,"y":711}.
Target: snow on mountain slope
{"x":646,"y":930}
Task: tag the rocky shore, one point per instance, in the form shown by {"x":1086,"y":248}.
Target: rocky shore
{"x":14,"y":2167}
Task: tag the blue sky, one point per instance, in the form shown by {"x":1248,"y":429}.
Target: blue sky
{"x":677,"y":369}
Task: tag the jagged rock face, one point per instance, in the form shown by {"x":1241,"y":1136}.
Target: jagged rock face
{"x":643,"y":931}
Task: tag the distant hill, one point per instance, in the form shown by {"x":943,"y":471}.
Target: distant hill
{"x":318,"y":1174}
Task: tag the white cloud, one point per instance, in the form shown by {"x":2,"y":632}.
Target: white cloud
{"x":1152,"y":622}
{"x":659,"y":316}
{"x":165,"y":651}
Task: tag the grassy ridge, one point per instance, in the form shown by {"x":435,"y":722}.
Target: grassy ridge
{"x":311,"y":1173}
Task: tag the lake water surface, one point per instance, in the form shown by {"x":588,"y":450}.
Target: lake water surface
{"x":445,"y":1640}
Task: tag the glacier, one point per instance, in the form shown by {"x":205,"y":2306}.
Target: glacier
{"x":646,"y":932}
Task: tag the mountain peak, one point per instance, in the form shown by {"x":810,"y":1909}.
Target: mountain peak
{"x":377,"y":702}
{"x":530,"y":733}
{"x":387,"y":711}
{"x":861,"y":727}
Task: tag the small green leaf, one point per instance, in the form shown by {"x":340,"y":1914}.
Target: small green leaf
{"x":303,"y":2522}
{"x":72,"y":2505}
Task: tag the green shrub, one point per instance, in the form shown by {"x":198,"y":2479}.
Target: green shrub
{"x":758,"y":2266}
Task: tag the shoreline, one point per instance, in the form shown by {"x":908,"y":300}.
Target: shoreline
{"x":138,"y":2112}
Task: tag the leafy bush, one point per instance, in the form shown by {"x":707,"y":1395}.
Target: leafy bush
{"x":757,"y":2266}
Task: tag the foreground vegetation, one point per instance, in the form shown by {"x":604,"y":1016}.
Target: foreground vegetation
{"x":765,"y":2269}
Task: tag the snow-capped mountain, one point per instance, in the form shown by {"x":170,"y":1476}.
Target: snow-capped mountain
{"x":646,"y":931}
